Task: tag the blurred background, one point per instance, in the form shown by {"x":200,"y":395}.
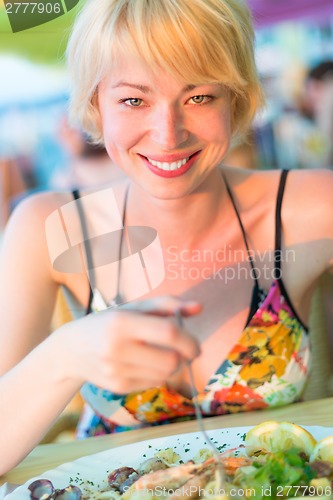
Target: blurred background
{"x":38,"y":150}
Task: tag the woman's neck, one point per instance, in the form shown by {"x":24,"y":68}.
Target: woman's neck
{"x":186,"y":220}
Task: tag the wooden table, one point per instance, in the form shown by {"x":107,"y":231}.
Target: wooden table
{"x":49,"y":456}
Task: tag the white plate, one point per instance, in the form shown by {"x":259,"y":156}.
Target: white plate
{"x":94,"y":467}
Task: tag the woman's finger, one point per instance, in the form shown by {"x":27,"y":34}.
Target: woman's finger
{"x":129,"y":378}
{"x":163,"y":361}
{"x":163,"y":332}
{"x":164,"y":306}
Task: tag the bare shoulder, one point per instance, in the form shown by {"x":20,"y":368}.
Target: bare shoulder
{"x":309,"y":200}
{"x":313,"y":183}
{"x":307,"y":217}
{"x":35,"y":209}
{"x":24,"y":239}
{"x":27,"y":223}
{"x":305,"y":189}
{"x":306,"y":212}
{"x":48,"y":225}
{"x":307,"y":209}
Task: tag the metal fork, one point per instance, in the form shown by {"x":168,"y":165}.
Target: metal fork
{"x":220,"y":477}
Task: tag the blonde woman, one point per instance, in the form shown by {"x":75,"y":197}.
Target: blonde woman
{"x":166,"y":87}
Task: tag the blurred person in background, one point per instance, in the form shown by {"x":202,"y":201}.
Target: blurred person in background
{"x":303,"y":130}
{"x":86,"y":164}
{"x":317,"y":105}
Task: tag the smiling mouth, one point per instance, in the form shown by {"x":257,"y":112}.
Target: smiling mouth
{"x":175,"y":165}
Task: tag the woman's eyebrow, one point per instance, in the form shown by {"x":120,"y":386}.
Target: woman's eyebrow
{"x":145,"y":89}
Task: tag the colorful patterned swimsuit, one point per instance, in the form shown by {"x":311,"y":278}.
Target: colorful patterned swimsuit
{"x":267,"y":367}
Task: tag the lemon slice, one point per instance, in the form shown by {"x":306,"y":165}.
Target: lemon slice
{"x":271,"y":437}
{"x":323,"y":450}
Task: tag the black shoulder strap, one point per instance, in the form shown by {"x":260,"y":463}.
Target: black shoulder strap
{"x":87,"y":248}
{"x":278,"y":225}
{"x":250,"y":257}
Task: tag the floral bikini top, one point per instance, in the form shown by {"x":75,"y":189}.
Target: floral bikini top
{"x":267,"y":367}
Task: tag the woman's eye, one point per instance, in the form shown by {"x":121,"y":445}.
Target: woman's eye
{"x":199,"y":99}
{"x":134,"y":102}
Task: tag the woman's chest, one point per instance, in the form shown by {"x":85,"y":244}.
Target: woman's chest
{"x":220,"y":272}
{"x":222,"y":278}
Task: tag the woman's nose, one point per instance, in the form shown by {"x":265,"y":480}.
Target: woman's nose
{"x":169,"y":130}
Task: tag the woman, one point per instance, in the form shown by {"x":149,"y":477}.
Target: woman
{"x":166,"y":86}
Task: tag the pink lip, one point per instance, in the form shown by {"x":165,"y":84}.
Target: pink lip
{"x":171,"y":173}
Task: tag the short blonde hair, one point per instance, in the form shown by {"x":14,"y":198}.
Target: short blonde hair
{"x":196,"y":41}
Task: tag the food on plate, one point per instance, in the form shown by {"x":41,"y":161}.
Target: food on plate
{"x":278,"y":460}
{"x":42,"y":489}
{"x":271,"y":437}
{"x":323,"y":450}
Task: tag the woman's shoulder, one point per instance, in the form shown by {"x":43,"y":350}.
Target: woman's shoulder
{"x":310,"y":192}
{"x":42,"y":204}
{"x":309,"y":205}
{"x":304,"y":184}
{"x":31,"y":212}
{"x":312,"y":182}
{"x":25,"y":229}
{"x":307,"y":200}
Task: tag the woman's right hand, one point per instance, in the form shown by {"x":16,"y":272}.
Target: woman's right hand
{"x":133,"y":347}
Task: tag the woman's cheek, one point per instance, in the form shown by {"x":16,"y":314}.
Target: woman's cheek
{"x":121,"y":133}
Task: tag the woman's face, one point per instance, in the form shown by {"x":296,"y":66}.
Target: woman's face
{"x":165,"y":135}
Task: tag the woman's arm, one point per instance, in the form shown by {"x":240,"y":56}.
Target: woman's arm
{"x":121,"y":351}
{"x":33,"y":392}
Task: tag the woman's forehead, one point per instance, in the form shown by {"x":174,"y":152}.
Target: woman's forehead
{"x":159,"y":82}
{"x":129,"y":65}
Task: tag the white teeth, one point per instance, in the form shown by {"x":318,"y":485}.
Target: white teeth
{"x":168,"y":166}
